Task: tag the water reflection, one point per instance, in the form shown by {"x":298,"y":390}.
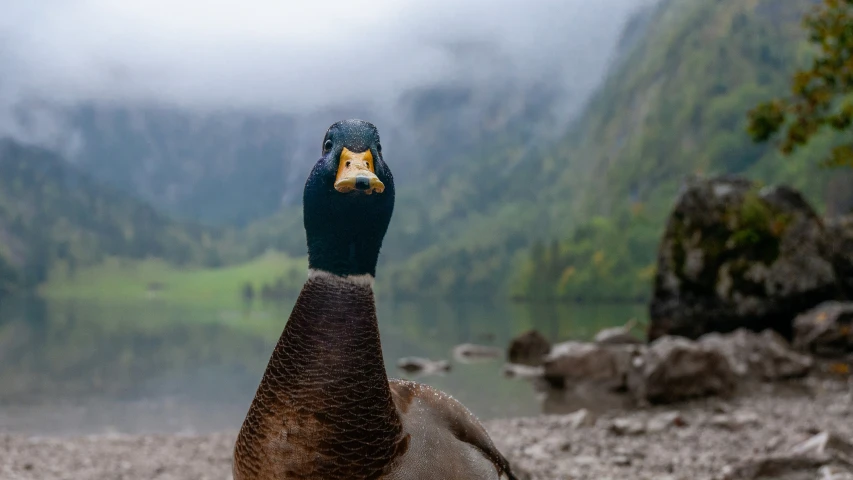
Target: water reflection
{"x":87,"y":367}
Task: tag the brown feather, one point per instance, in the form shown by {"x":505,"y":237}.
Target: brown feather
{"x":323,"y":409}
{"x":453,"y":416}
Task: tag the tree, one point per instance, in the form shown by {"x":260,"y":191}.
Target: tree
{"x":821,"y":95}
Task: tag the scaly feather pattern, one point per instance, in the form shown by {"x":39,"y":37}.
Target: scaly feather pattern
{"x":323,"y":409}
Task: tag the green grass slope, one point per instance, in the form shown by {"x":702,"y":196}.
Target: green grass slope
{"x":122,"y":280}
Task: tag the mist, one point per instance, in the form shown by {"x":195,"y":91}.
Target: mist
{"x":293,"y":57}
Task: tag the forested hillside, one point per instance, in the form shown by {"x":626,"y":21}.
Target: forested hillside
{"x":232,"y":167}
{"x":466,"y":198}
{"x":675,"y":105}
{"x":451,"y":178}
{"x":490,"y":202}
{"x":53,"y":218}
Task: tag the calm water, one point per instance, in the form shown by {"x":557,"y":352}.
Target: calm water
{"x":90,"y":367}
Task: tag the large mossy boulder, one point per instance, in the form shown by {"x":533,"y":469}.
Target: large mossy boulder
{"x":735,"y":255}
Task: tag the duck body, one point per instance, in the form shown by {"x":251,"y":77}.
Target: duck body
{"x":446,"y":441}
{"x":325,"y":408}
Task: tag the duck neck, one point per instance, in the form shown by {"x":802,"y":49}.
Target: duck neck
{"x":333,"y":333}
{"x":327,"y":374}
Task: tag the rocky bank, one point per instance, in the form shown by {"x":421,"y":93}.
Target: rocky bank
{"x":711,"y":439}
{"x":745,"y":374}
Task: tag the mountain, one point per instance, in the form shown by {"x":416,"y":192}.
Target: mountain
{"x":677,"y":103}
{"x":463,"y":156}
{"x":225,"y":168}
{"x":674,"y":104}
{"x":54,"y":219}
{"x":233,"y":167}
{"x":464,"y":148}
{"x":459,"y":154}
{"x":497,"y":192}
{"x":466,"y":193}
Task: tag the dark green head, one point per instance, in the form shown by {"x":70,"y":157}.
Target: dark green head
{"x":348,"y":201}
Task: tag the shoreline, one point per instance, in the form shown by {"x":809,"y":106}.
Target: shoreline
{"x":693,"y":440}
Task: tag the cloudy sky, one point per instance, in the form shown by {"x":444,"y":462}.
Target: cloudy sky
{"x":290,"y":54}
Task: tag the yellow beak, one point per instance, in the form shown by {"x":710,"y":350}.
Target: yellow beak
{"x":356,"y":172}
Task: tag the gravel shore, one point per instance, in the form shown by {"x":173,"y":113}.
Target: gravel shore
{"x":694,"y":440}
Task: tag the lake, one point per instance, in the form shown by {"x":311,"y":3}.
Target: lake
{"x":75,"y":367}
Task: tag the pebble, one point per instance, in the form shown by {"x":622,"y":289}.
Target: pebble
{"x":656,"y":443}
{"x":834,"y":473}
{"x":664,"y":421}
{"x":580,"y":418}
{"x":628,"y":426}
{"x":735,"y":421}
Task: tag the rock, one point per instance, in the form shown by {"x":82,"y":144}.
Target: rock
{"x":838,"y":410}
{"x":617,"y":335}
{"x":675,"y":369}
{"x":734,"y":256}
{"x":765,"y":355}
{"x":513,"y":370}
{"x":839,"y":233}
{"x":828,"y":446}
{"x":828,"y":472}
{"x":423,"y":365}
{"x":773,"y":443}
{"x":529,"y":348}
{"x":735,"y":421}
{"x":569,"y":398}
{"x":773,"y":467}
{"x":537,"y":451}
{"x":469,"y":352}
{"x":579,"y":419}
{"x":580,"y":362}
{"x":800,"y":461}
{"x":825,"y":330}
{"x":664,"y":421}
{"x":627,"y":426}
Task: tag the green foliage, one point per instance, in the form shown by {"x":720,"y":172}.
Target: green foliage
{"x":675,"y":105}
{"x":53,"y":217}
{"x":123,"y":279}
{"x":756,"y":228}
{"x":604,"y":259}
{"x":474,"y":222}
{"x":819,"y":95}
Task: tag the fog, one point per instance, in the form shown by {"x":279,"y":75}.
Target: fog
{"x":286,"y":56}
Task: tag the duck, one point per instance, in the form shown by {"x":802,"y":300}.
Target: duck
{"x":325,"y":407}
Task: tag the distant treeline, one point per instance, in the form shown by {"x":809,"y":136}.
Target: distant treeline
{"x":51,"y":216}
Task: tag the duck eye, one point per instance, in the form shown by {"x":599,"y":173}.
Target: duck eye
{"x":379,"y":148}
{"x":327,"y":145}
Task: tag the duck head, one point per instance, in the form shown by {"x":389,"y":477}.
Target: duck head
{"x":348,"y":201}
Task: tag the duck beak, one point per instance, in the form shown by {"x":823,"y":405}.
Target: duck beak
{"x":356,"y":172}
